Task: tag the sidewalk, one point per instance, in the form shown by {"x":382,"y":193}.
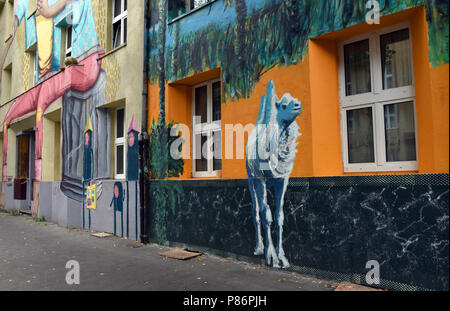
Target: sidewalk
{"x":33,"y":256}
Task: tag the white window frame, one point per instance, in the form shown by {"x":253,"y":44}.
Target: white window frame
{"x":376,"y":99}
{"x":119,"y":141}
{"x":208,"y":128}
{"x":119,"y":19}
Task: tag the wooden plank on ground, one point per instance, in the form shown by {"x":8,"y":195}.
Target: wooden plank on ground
{"x":101,"y":234}
{"x":180,"y":254}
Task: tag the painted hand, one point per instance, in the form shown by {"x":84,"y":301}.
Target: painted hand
{"x":49,"y":12}
{"x":42,"y":7}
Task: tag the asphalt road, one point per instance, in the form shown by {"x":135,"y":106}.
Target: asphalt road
{"x":33,"y":256}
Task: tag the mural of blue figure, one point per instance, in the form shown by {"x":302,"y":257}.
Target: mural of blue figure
{"x":88,"y":170}
{"x":271,"y":151}
{"x":132,"y":168}
{"x":133,"y":151}
{"x":117,"y":200}
{"x":88,"y":155}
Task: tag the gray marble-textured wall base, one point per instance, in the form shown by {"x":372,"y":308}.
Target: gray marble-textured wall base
{"x":9,"y":195}
{"x":333,"y":224}
{"x":10,"y":203}
{"x":45,"y":200}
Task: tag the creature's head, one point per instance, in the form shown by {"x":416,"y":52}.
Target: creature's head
{"x":131,"y":139}
{"x":288,"y":109}
{"x":118,"y":191}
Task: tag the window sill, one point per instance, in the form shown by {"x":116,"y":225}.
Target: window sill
{"x":403,"y":167}
{"x":9,"y":36}
{"x":176,"y":19}
{"x":114,"y":50}
{"x":206,"y":175}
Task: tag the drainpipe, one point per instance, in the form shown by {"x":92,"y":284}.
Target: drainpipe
{"x":143,"y":155}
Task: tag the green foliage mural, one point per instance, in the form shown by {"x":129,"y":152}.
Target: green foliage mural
{"x":261,"y":35}
{"x":437,"y":18}
{"x":162,"y":166}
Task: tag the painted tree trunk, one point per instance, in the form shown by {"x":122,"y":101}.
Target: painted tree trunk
{"x":162,"y":59}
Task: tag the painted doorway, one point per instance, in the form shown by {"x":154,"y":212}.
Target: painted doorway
{"x":23,"y":183}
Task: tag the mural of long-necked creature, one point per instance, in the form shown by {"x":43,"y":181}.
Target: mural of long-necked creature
{"x":271,"y":151}
{"x":81,"y":87}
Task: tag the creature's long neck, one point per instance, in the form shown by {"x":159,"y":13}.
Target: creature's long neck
{"x":284,"y":125}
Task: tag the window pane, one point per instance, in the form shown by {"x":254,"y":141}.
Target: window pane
{"x":201,"y":103}
{"x":117,"y":7}
{"x":176,"y":8}
{"x":120,"y":119}
{"x":217,"y":149}
{"x":216,"y":102}
{"x":116,"y":35}
{"x":125,"y":5}
{"x":201,"y":162}
{"x":396,"y":59}
{"x":119,"y":160}
{"x":357,"y":68}
{"x":360,"y":136}
{"x":69,"y":37}
{"x":197,"y":3}
{"x":400,"y":132}
{"x":124,"y":30}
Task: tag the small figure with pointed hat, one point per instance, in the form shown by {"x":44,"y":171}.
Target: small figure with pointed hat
{"x":117,"y":200}
{"x":133,"y":151}
{"x":88,"y":155}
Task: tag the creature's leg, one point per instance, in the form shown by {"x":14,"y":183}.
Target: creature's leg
{"x":280,"y":190}
{"x":259,"y":249}
{"x":80,"y":78}
{"x":261,"y":192}
{"x":51,"y":89}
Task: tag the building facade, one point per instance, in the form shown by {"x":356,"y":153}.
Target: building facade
{"x":315,"y":134}
{"x":71,"y":89}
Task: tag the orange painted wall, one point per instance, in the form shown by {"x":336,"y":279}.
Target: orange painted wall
{"x":424,"y":96}
{"x":314,"y":81}
{"x":294,"y":80}
{"x":153,"y":104}
{"x":432,"y":96}
{"x":325,"y":112}
{"x":178,"y":108}
{"x":439,"y":89}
